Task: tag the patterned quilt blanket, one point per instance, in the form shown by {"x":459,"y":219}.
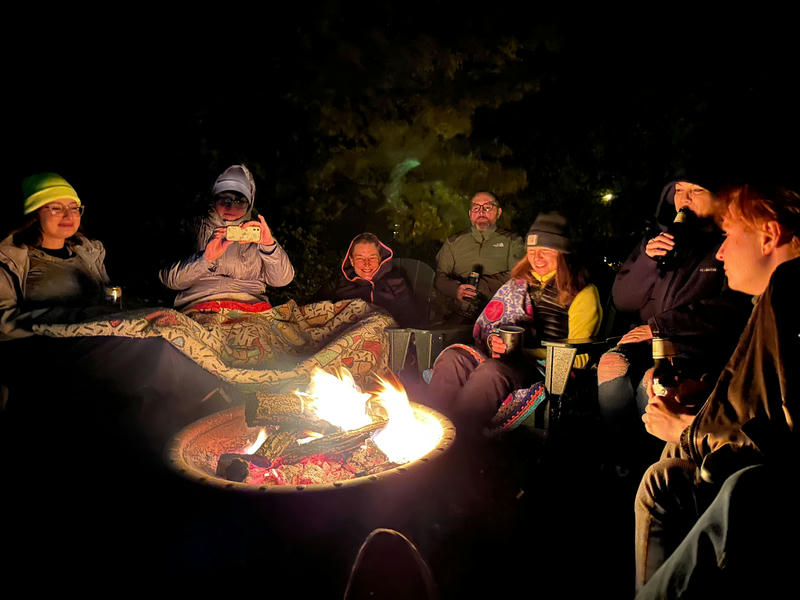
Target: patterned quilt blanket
{"x":272,"y":350}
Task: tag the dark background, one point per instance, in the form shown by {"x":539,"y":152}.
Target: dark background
{"x":140,"y":110}
{"x":141,"y":107}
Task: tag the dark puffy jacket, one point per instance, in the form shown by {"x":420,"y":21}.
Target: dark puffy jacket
{"x":389,"y":289}
{"x":692,"y":304}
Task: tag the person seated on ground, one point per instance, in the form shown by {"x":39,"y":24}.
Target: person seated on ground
{"x":368,"y":273}
{"x":50,"y":272}
{"x":749,"y":416}
{"x":222,"y":269}
{"x":685,"y":299}
{"x":484,"y":249}
{"x":549,"y":296}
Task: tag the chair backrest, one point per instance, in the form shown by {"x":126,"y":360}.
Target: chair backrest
{"x":420,"y":276}
{"x":610,"y":320}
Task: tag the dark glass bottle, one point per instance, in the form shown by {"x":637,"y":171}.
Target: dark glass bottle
{"x":677,"y":228}
{"x":666,"y":375}
{"x":477,"y":301}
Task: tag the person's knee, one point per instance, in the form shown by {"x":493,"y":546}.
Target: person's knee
{"x":494,"y":371}
{"x":668,"y":475}
{"x":612,"y":365}
{"x":453,"y":358}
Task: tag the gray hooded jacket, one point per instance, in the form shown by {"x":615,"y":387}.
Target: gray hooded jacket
{"x":15,"y":317}
{"x":242,"y":273}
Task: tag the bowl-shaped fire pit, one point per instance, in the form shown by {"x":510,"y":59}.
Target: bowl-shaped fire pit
{"x":195,"y":450}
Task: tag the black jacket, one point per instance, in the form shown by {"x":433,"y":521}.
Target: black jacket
{"x":389,"y":289}
{"x":691,"y":304}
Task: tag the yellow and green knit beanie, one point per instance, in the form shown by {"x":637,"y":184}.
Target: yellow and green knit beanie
{"x":42,"y":188}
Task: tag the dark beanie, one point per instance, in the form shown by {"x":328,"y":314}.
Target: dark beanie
{"x":549,"y":230}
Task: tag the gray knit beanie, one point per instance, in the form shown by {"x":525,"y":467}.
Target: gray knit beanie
{"x":235,"y":179}
{"x":549,"y":230}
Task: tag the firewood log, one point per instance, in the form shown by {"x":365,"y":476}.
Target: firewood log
{"x":278,"y":442}
{"x":332,"y":444}
{"x":285,"y":410}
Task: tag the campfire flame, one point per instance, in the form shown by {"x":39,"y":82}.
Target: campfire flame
{"x":262,"y":435}
{"x":310,"y":435}
{"x":337,"y":399}
{"x":405,"y":438}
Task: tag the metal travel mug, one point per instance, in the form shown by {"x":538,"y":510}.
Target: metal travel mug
{"x":512,"y":336}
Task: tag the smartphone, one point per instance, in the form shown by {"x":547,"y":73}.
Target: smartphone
{"x":243,"y":234}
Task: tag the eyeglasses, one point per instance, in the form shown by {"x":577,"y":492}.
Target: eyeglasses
{"x":229,"y":202}
{"x":364,"y":261}
{"x":59,"y":210}
{"x":486,"y":208}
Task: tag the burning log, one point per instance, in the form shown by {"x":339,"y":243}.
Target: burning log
{"x":366,"y":460}
{"x":278,"y":443}
{"x":282,"y":448}
{"x":285,"y":410}
{"x":333,"y":444}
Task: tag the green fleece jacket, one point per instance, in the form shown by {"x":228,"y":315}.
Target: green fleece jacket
{"x":496,"y":250}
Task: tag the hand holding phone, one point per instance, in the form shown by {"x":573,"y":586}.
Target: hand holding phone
{"x":243,"y":234}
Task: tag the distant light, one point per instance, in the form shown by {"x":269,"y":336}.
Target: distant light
{"x":607,"y":197}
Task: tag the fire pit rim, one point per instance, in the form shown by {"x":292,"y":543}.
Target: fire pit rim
{"x":174,"y":456}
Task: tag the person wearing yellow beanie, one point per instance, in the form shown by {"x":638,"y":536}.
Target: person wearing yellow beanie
{"x":50,"y":272}
{"x":44,"y":188}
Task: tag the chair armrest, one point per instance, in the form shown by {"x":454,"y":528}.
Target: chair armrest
{"x":399,"y":339}
{"x":582,"y":344}
{"x":430,"y":342}
{"x":560,"y":357}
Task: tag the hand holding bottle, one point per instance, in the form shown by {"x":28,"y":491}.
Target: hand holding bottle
{"x":660,"y":245}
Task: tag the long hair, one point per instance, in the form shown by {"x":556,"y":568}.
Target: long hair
{"x":29,"y":232}
{"x":571,"y":277}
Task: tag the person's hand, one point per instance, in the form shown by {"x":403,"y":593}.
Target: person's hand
{"x":465,"y":292}
{"x":642,"y":333}
{"x":660,"y":245}
{"x":266,"y":234}
{"x":666,"y":419}
{"x":217,"y":245}
{"x":689,"y":393}
{"x":496,"y":345}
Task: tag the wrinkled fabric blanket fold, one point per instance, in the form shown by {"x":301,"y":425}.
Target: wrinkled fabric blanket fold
{"x":270,"y":351}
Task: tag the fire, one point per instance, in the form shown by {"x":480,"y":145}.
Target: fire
{"x":310,"y":435}
{"x":406,"y":437}
{"x":262,"y":435}
{"x":337,"y":399}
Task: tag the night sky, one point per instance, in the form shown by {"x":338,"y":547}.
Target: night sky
{"x":135,"y":108}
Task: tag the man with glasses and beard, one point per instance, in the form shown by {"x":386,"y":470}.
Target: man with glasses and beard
{"x":484,"y":249}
